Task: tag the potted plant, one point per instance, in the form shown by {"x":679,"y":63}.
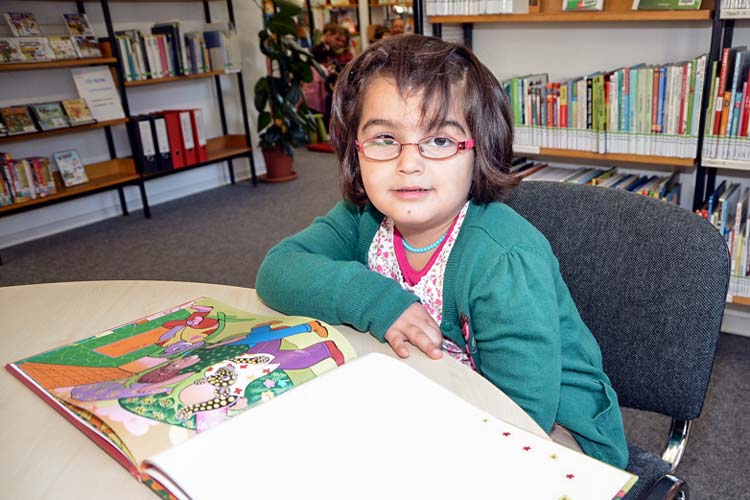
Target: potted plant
{"x":284,"y":119}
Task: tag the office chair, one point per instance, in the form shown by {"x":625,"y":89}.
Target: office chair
{"x":650,"y":281}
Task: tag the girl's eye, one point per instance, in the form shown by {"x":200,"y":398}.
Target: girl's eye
{"x":440,"y":142}
{"x":384,"y":141}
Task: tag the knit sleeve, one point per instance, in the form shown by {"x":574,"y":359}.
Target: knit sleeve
{"x":515,"y":321}
{"x":316,"y":272}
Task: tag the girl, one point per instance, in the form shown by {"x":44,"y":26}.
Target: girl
{"x":423,"y":251}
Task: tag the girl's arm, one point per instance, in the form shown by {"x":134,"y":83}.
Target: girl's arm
{"x":317,"y":272}
{"x":515,"y":321}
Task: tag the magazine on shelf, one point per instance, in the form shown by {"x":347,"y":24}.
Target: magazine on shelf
{"x":9,"y":50}
{"x":87,"y":46}
{"x":22,"y":23}
{"x":78,"y":25}
{"x":35,"y":49}
{"x":62,"y":47}
{"x":205,"y":381}
{"x":71,"y":167}
{"x":17,"y":120}
{"x":77,"y":111}
{"x":581,"y":5}
{"x":50,"y":115}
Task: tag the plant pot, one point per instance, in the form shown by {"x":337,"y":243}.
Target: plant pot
{"x":278,"y":166}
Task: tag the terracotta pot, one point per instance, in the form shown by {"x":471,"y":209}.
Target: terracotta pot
{"x":278,"y":166}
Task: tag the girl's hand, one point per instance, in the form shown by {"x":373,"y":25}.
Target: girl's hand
{"x":416,"y":326}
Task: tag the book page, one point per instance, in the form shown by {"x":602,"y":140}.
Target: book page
{"x":376,"y":428}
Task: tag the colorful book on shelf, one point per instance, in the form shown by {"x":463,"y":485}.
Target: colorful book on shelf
{"x":71,"y":167}
{"x":22,"y":23}
{"x":78,"y":24}
{"x":166,"y":393}
{"x":157,"y":381}
{"x":666,"y":4}
{"x":17,"y":120}
{"x":49,"y":115}
{"x":77,"y":111}
{"x":9,"y":50}
{"x":582,"y":5}
{"x":87,"y":46}
{"x":44,"y":183}
{"x":35,"y":49}
{"x":62,"y":47}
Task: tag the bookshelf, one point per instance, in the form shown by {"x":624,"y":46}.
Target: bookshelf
{"x":113,"y":174}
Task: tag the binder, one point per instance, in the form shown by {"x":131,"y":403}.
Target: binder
{"x":144,"y":147}
{"x":161,"y":142}
{"x":199,"y":136}
{"x":188,"y":139}
{"x":174,"y":136}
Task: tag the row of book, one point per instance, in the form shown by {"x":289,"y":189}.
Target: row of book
{"x":472,"y":7}
{"x":727,"y":209}
{"x":641,"y":109}
{"x":24,"y":179}
{"x":28,"y":44}
{"x":665,"y":188}
{"x":168,"y":51}
{"x":167,"y":140}
{"x":728,"y":119}
{"x":25,"y":119}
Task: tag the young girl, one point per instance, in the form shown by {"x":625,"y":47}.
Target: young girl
{"x":423,"y":251}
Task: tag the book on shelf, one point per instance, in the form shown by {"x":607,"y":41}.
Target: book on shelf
{"x":27,"y":178}
{"x":10,"y":51}
{"x":164,"y":392}
{"x":172,"y":30}
{"x":35,"y":49}
{"x":87,"y":46}
{"x":666,"y":4}
{"x":62,"y":47}
{"x":77,"y":111}
{"x":17,"y":120}
{"x":49,"y":115}
{"x":78,"y":24}
{"x":22,"y":23}
{"x":582,"y":5}
{"x":223,"y":45}
{"x":96,"y":86}
{"x":71,"y":167}
{"x":6,"y":193}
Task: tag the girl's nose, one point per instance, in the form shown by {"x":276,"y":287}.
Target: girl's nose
{"x":410,"y":161}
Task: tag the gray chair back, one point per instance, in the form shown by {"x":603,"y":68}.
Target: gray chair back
{"x":650,"y":281}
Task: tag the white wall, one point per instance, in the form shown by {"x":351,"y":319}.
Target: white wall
{"x":57,"y":84}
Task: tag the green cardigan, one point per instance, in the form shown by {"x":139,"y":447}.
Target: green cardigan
{"x":526,"y":335}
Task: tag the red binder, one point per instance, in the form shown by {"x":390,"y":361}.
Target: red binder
{"x":188,"y":138}
{"x":174,"y":133}
{"x":199,"y":132}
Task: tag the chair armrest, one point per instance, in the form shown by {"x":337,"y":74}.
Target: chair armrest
{"x":668,"y":487}
{"x":676,"y":442}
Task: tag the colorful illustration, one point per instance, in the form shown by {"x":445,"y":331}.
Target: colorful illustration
{"x":157,"y":381}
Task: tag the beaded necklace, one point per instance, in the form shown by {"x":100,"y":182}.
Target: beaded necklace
{"x":429,"y":247}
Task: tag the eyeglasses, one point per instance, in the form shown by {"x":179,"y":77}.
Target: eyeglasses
{"x":436,"y":147}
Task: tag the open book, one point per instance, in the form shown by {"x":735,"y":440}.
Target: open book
{"x":151,"y":384}
{"x":373,"y":427}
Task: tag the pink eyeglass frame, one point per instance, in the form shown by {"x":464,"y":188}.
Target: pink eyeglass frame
{"x":460,"y":146}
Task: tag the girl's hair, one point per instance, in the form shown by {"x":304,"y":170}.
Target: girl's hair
{"x":443,"y":72}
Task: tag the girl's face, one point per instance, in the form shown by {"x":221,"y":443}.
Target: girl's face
{"x":421,"y":195}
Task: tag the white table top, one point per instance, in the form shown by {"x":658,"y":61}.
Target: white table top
{"x":44,"y":456}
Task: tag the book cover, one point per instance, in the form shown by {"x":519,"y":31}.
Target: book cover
{"x":666,"y":4}
{"x":17,"y":120}
{"x":143,"y":387}
{"x":62,"y":47}
{"x":22,"y":23}
{"x":71,"y":167}
{"x":35,"y":49}
{"x":43,"y":180}
{"x":9,"y":51}
{"x":49,"y":115}
{"x":77,"y":111}
{"x":78,"y":25}
{"x":87,"y":46}
{"x":579,"y":5}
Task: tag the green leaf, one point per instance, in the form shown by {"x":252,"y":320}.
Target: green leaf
{"x":288,"y":7}
{"x":264,"y":120}
{"x":282,"y":25}
{"x":261,"y":94}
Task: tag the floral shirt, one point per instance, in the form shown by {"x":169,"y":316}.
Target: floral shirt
{"x":389,"y":259}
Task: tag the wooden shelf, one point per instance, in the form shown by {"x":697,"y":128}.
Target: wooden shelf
{"x":102,"y":177}
{"x":154,"y":81}
{"x":219,"y":148}
{"x":744,"y":301}
{"x":61,"y":131}
{"x":343,"y":6}
{"x":64,"y":63}
{"x":550,"y":11}
{"x":728,"y":164}
{"x":616,"y":157}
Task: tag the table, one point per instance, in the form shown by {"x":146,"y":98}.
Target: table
{"x":43,"y":456}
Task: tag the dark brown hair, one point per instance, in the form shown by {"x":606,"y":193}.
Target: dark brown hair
{"x":443,"y":71}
